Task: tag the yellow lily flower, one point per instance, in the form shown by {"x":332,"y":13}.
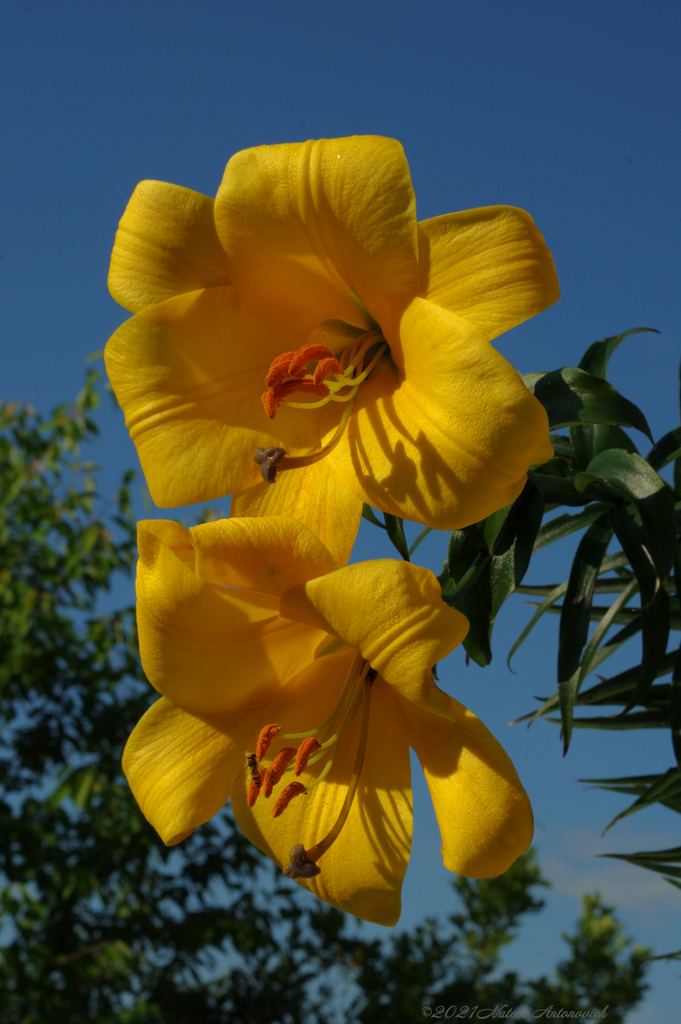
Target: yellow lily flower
{"x":308,"y":316}
{"x":297,"y":689}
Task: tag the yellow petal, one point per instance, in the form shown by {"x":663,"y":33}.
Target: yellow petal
{"x":393,"y":613}
{"x":312,"y":227}
{"x":317,"y":497}
{"x":189,"y":375}
{"x":362,"y":872}
{"x":266,"y":555}
{"x":209,"y":649}
{"x":490,"y":266}
{"x":166,"y":244}
{"x":446,"y":436}
{"x":483,"y":811}
{"x":181,"y":769}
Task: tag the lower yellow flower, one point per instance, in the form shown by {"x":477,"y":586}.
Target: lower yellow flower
{"x":297,"y":689}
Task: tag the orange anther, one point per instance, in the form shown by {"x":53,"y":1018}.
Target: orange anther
{"x":293,"y":789}
{"x":265,"y":737}
{"x":325,"y":368}
{"x":307,"y":354}
{"x":280,"y":763}
{"x":253,"y":791}
{"x":266,"y":783}
{"x":306,"y":748}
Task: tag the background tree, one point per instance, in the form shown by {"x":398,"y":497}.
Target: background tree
{"x":99,"y":920}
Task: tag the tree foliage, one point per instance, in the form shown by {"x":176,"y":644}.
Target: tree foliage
{"x":99,"y":920}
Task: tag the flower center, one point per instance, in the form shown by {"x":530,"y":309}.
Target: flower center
{"x":314,"y":371}
{"x":315,"y":745}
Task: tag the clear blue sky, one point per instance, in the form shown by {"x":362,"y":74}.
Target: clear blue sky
{"x":570,"y":110}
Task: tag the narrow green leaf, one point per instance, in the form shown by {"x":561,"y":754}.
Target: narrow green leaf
{"x":395,"y":527}
{"x":565,"y":524}
{"x":422,"y":536}
{"x":665,"y":789}
{"x":573,"y":396}
{"x":616,"y":689}
{"x":368,"y":514}
{"x":575,"y":618}
{"x":453,"y":594}
{"x":640,"y":484}
{"x":666,"y":450}
{"x":513,"y":546}
{"x":675,"y":708}
{"x":651,"y":719}
{"x":545,"y":606}
{"x":595,"y":359}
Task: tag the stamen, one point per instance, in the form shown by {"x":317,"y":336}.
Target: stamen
{"x":286,"y":796}
{"x":306,"y":748}
{"x":265,"y":737}
{"x":280,"y":763}
{"x":321,"y":847}
{"x":273,"y":459}
{"x":253,"y":793}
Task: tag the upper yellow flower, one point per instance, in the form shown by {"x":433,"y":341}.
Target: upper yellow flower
{"x":309,"y":281}
{"x":264,"y":652}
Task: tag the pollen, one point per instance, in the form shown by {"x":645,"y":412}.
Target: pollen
{"x":265,"y":737}
{"x":305,"y":750}
{"x":253,"y":792}
{"x":280,"y":764}
{"x":293,"y":789}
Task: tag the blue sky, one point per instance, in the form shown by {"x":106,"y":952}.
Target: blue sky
{"x":570,"y":110}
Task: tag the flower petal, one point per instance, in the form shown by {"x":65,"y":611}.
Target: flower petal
{"x":312,"y":227}
{"x":490,"y":266}
{"x":393,"y":613}
{"x":166,"y":244}
{"x":483,"y":811}
{"x":266,"y":555}
{"x":181,"y":769}
{"x":189,"y":375}
{"x":316,"y":496}
{"x":206,"y":648}
{"x":362,"y":872}
{"x":447,"y":437}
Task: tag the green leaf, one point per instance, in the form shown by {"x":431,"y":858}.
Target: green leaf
{"x":675,"y":708}
{"x":654,"y":600}
{"x":575,"y":618}
{"x":651,"y":719}
{"x":422,"y":536}
{"x":667,"y":449}
{"x":664,"y":789}
{"x":565,"y":524}
{"x":395,"y":527}
{"x":638,"y":482}
{"x":368,"y":514}
{"x":595,"y":359}
{"x":573,"y":396}
{"x":617,"y":689}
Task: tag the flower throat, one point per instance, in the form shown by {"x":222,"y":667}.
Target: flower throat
{"x":316,"y":744}
{"x":329,"y":379}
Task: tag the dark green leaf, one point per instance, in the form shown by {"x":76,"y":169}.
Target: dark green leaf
{"x":422,"y":536}
{"x":575,"y":618}
{"x":595,"y":359}
{"x":640,"y":484}
{"x":395,"y":527}
{"x":651,"y":719}
{"x":368,"y":514}
{"x":565,"y":524}
{"x":573,"y":396}
{"x":666,"y":450}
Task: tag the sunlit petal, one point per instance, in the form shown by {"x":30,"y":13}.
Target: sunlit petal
{"x":393,"y":613}
{"x":166,"y":244}
{"x":490,"y":266}
{"x":189,"y":375}
{"x":363,"y":870}
{"x":266,"y":555}
{"x":317,"y":497}
{"x":311,"y":228}
{"x":483,"y":811}
{"x":210,"y":649}
{"x":446,"y":436}
{"x":181,"y":769}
